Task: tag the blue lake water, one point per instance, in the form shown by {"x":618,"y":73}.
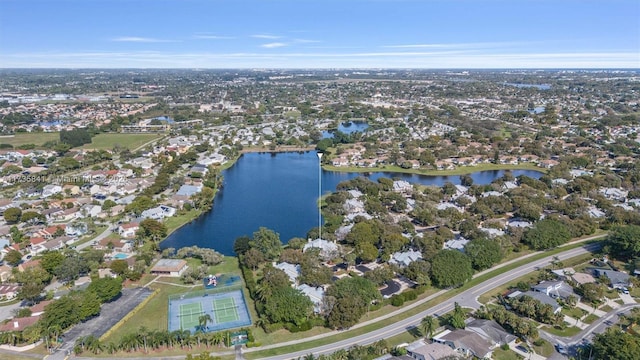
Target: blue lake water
{"x":537,"y":86}
{"x":280,"y":191}
{"x":348,"y":128}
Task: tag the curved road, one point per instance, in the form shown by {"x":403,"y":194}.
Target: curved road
{"x":468,"y":298}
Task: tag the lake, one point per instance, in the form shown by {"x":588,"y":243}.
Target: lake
{"x":537,"y":86}
{"x":347,"y":128}
{"x":280,"y":191}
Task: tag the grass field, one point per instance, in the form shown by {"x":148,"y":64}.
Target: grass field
{"x":566,"y":332}
{"x":130,"y":141}
{"x":29,"y":138}
{"x":100,"y":141}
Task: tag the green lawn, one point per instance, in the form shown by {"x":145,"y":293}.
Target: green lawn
{"x":29,"y":138}
{"x":175,"y":222}
{"x":499,"y":354}
{"x":545,"y":349}
{"x":566,"y":332}
{"x":575,"y":312}
{"x":130,"y":141}
{"x":606,"y":308}
{"x":589,"y":319}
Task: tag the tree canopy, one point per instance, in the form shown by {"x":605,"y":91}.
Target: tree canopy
{"x":547,"y":234}
{"x":624,"y":241}
{"x":450,"y":268}
{"x":267,"y":242}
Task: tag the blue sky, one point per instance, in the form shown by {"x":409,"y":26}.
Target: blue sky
{"x":320,"y":33}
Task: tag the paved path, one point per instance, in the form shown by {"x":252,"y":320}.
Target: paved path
{"x":591,"y":310}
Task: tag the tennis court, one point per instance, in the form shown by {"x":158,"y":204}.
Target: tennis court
{"x":227,"y":310}
{"x":190,"y":315}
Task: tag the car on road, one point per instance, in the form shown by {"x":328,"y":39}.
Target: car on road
{"x":561,"y":349}
{"x":522,"y":348}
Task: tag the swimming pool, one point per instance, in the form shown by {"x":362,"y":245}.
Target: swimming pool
{"x":120,"y":256}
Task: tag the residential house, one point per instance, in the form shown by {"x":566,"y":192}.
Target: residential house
{"x":9,"y":291}
{"x":315,"y":294}
{"x":466,"y":342}
{"x":76,"y":229}
{"x":189,"y":190}
{"x":292,"y":271}
{"x":90,"y":210}
{"x":158,"y":212}
{"x":556,"y":289}
{"x":5,"y":273}
{"x":49,"y":190}
{"x":492,"y":331}
{"x":541,"y":297}
{"x":19,"y":324}
{"x":328,"y":249}
{"x":617,"y":279}
{"x":422,"y":350}
{"x":128,"y":230}
{"x":403,"y":259}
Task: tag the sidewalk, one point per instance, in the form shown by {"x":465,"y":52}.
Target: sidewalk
{"x":575,"y":322}
{"x":530,"y":355}
{"x":591,"y":310}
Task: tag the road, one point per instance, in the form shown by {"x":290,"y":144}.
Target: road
{"x":597,"y":327}
{"x":467,"y":298}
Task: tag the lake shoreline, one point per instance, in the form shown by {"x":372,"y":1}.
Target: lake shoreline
{"x":179,"y":224}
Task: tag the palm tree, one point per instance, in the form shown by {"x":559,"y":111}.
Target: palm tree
{"x":203,"y":320}
{"x":428,"y":325}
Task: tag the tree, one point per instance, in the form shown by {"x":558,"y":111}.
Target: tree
{"x":30,"y":292}
{"x":450,"y":268}
{"x":119,"y":266}
{"x":428,"y":326}
{"x":71,"y":268}
{"x":287,"y":304}
{"x":75,"y":137}
{"x":483,"y":253}
{"x":106,"y":288}
{"x":418,"y":271}
{"x":591,"y":292}
{"x":242,"y":245}
{"x":547,"y":234}
{"x":456,"y":319}
{"x":466,"y":180}
{"x":624,"y":241}
{"x":345,"y":313}
{"x":203,"y":320}
{"x":12,"y":215}
{"x":50,"y":260}
{"x":267,"y":242}
{"x":253,"y":258}
{"x":152,"y":229}
{"x":13,"y":257}
{"x":616,"y":345}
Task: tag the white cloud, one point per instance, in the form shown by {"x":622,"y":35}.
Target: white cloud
{"x":139,"y":39}
{"x":273,"y":45}
{"x":266,"y":36}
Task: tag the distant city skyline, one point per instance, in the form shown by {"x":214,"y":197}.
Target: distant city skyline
{"x":430,"y":34}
